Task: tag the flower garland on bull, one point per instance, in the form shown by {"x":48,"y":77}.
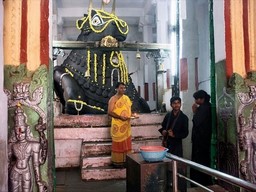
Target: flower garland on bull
{"x":100,"y":61}
{"x":99,"y":80}
{"x":99,"y":18}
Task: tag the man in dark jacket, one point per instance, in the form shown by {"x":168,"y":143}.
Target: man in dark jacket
{"x":175,"y":127}
{"x":201,"y":136}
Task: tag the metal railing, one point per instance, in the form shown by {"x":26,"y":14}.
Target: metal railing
{"x":214,"y":173}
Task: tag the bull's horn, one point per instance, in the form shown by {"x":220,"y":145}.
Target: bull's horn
{"x":114,"y":7}
{"x":102,"y":4}
{"x":90,"y":5}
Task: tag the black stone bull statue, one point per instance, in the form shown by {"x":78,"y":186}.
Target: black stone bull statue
{"x":85,"y":81}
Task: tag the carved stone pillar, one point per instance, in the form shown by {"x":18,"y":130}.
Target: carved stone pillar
{"x":28,"y":85}
{"x":159,"y":57}
{"x":237,"y":128}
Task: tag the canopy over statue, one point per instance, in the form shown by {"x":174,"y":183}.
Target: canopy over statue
{"x":86,"y":79}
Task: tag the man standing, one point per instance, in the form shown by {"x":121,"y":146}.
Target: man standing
{"x":175,"y":128}
{"x":201,"y":136}
{"x":119,"y":108}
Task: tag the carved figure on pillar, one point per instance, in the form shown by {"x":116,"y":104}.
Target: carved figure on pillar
{"x":41,"y":127}
{"x":24,"y":156}
{"x":228,"y":154}
{"x":247,"y":134}
{"x":247,"y":138}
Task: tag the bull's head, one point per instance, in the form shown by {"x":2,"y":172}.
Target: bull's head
{"x":99,"y":24}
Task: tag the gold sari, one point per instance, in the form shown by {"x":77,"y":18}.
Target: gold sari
{"x":121,"y":131}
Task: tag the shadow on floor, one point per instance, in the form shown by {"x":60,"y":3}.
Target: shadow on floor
{"x":69,"y":180}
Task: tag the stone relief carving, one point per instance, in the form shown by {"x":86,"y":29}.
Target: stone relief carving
{"x":226,"y":109}
{"x":228,"y":154}
{"x":21,"y":95}
{"x":247,"y":134}
{"x":26,"y":153}
{"x":236,"y":81}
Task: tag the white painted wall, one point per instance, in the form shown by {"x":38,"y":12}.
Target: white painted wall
{"x":195,"y":35}
{"x":3,"y":113}
{"x":219,"y":31}
{"x":189,"y":49}
{"x":202,"y":18}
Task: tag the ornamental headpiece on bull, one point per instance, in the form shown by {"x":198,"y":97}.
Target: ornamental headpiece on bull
{"x":98,"y":21}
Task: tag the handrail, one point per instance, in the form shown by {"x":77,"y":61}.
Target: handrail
{"x":222,"y":176}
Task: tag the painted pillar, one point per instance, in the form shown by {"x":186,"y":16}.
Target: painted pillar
{"x":3,"y":114}
{"x":240,"y":32}
{"x":28,"y":85}
{"x":149,"y":66}
{"x":162,"y":20}
{"x":236,"y":90}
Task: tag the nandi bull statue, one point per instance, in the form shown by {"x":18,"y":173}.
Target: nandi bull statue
{"x":86,"y":79}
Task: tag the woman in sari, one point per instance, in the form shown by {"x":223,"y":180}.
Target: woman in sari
{"x":119,"y":108}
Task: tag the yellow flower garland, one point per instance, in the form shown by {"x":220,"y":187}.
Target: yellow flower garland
{"x":121,"y":65}
{"x":87,"y":72}
{"x":69,"y":72}
{"x":111,"y":58}
{"x":104,"y":69}
{"x":84,"y":103}
{"x":95,"y":67}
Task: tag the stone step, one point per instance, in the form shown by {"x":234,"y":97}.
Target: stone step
{"x":93,"y":162}
{"x":92,"y":121}
{"x":76,"y":132}
{"x":101,"y":134}
{"x":102,"y":173}
{"x":95,"y":149}
{"x":104,"y":148}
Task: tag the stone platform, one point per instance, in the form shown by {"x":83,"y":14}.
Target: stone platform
{"x":84,"y":141}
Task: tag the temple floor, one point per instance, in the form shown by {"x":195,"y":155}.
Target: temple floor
{"x":69,"y":180}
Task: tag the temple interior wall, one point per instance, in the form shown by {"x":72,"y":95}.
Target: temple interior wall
{"x":3,"y":114}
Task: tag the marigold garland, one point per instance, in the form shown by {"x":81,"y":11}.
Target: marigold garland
{"x":121,"y":67}
{"x":104,"y":69}
{"x":122,"y":74}
{"x":87,"y":72}
{"x":84,"y":103}
{"x":111,"y":58}
{"x":69,"y":72}
{"x":95,"y":67}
